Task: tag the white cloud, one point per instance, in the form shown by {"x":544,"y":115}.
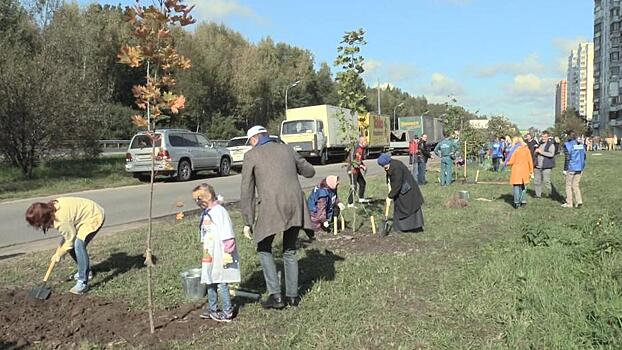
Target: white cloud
{"x":220,"y":10}
{"x":371,"y":66}
{"x":530,"y":64}
{"x":442,"y":88}
{"x":531,"y":86}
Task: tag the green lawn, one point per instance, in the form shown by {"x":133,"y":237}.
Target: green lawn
{"x":65,"y":175}
{"x":482,"y":277}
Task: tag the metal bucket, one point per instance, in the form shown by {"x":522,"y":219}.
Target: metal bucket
{"x":463,"y":195}
{"x":191,"y":284}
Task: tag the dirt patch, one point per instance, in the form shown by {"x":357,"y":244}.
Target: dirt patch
{"x":65,"y":320}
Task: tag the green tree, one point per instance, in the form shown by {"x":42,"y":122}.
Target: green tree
{"x":501,"y":126}
{"x":570,"y":120}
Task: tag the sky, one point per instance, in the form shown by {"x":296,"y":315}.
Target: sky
{"x":497,"y":57}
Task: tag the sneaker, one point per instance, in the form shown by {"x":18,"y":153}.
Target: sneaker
{"x":351,"y":205}
{"x":79,"y":288}
{"x":566,"y":205}
{"x":364,"y":200}
{"x":74,"y":277}
{"x":207,"y":314}
{"x":221,"y":316}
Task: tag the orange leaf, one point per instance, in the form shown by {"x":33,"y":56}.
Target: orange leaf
{"x":179,"y":216}
{"x":139,"y":121}
{"x":130,"y":55}
{"x":178,"y":104}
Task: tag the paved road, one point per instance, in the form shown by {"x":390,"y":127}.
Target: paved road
{"x":130,"y":204}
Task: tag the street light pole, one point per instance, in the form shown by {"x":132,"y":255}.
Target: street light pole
{"x":394,"y":119}
{"x":287,"y":88}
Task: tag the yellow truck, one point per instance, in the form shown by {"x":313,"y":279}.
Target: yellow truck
{"x":314,"y":131}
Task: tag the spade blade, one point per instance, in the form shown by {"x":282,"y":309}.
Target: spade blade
{"x":41,"y":292}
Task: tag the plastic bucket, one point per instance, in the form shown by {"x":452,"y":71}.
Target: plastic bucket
{"x":191,"y":284}
{"x":463,"y":195}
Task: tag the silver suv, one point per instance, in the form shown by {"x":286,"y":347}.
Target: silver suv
{"x":178,"y":152}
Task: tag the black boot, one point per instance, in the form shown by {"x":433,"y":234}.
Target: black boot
{"x":274,"y":301}
{"x":292,"y":301}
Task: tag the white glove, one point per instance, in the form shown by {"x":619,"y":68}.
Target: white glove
{"x":325,"y":224}
{"x":341,"y":206}
{"x":565,"y":172}
{"x":220,"y":198}
{"x":248,"y":232}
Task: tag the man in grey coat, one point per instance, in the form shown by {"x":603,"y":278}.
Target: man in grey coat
{"x":271,"y":169}
{"x":544,"y":162}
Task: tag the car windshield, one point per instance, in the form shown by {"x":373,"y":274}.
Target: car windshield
{"x":298,"y":127}
{"x":237,"y":142}
{"x":143,"y":141}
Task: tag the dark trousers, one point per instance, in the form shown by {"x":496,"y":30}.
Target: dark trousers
{"x":421,"y":164}
{"x":495,"y":164}
{"x":360,"y":183}
{"x":290,"y":263}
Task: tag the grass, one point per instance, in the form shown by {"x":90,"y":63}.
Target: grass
{"x":65,"y":175}
{"x":483,"y":277}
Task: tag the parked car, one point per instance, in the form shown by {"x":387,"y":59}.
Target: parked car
{"x":238,"y":146}
{"x":178,"y":153}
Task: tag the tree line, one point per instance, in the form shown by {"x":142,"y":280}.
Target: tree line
{"x":63,"y":87}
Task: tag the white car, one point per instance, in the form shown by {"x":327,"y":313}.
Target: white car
{"x":238,"y":146}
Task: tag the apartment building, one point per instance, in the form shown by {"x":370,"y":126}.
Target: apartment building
{"x":560,"y":99}
{"x":580,"y":82}
{"x":607,"y":117}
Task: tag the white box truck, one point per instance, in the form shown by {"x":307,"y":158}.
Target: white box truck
{"x":314,"y":131}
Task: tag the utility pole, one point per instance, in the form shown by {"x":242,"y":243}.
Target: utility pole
{"x":378,"y":90}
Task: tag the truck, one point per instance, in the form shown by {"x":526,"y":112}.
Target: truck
{"x":409,"y":127}
{"x":314,"y":131}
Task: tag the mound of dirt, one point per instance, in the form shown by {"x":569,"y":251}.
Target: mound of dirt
{"x":66,"y":319}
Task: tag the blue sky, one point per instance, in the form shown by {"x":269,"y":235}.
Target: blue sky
{"x":495,"y":56}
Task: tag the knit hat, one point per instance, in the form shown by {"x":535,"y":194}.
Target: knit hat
{"x":332,"y":181}
{"x":384,"y":159}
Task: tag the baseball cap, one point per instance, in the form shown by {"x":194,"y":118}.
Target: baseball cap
{"x":257,"y":129}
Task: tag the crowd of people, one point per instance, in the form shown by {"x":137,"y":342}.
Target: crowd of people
{"x":271,"y":201}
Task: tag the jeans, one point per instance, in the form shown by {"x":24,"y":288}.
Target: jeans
{"x":414,"y":167}
{"x":572,"y":186}
{"x":421,"y":164}
{"x":290,"y":263}
{"x":360,"y":183}
{"x":520,"y":194}
{"x":225,"y":297}
{"x":542,"y":177}
{"x":446,"y":171}
{"x":80,"y":255}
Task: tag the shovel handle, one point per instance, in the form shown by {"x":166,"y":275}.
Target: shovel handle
{"x":47,"y":274}
{"x":387,"y":206}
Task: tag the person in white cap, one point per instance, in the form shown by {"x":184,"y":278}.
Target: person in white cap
{"x":271,"y":169}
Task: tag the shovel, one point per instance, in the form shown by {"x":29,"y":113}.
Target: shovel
{"x":385,"y":225}
{"x":42,"y":292}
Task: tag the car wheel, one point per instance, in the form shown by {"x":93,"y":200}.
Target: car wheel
{"x":184,"y":171}
{"x":225,"y":167}
{"x":324,"y":157}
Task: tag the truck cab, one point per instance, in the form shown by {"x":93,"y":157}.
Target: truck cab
{"x":306,"y":136}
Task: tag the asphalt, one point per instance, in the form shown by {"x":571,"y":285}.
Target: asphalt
{"x":128,"y":207}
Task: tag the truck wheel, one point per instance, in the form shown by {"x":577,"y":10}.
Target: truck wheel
{"x":225,"y":167}
{"x":184,"y":171}
{"x":324,"y":157}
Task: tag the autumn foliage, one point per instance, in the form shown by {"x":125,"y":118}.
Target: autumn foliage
{"x":154,"y":49}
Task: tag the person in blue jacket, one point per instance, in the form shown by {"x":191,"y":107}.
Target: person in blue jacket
{"x":574,"y":164}
{"x":324,"y":204}
{"x":496,"y":152}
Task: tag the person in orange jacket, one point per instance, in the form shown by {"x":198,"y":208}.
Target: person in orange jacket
{"x":522,"y":170}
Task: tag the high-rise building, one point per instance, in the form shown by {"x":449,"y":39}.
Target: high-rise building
{"x":580,"y":96}
{"x":560,"y":99}
{"x":607,"y":62}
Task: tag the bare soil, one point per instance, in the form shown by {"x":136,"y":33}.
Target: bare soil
{"x":64,"y":320}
